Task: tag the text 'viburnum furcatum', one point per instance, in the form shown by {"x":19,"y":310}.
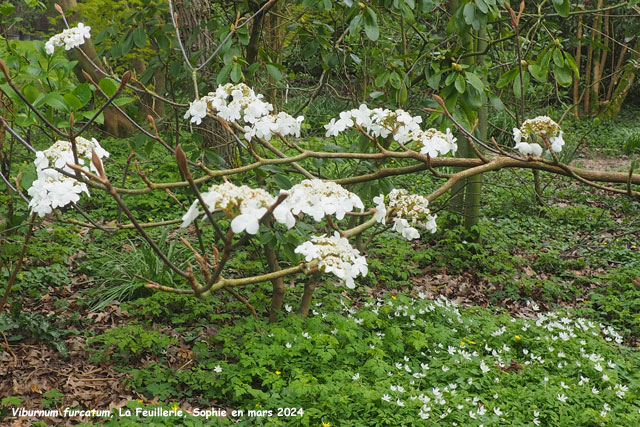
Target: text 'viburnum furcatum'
{"x":403,"y":207}
{"x":53,"y":189}
{"x":405,"y":128}
{"x":541,"y":127}
{"x":335,"y":255}
{"x":69,"y":38}
{"x":239,"y":103}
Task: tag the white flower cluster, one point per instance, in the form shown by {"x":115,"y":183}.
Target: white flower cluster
{"x":542,"y":127}
{"x":318,"y":198}
{"x":69,"y":38}
{"x":52,"y":189}
{"x":239,"y":102}
{"x":244,"y":204}
{"x":405,"y":128}
{"x":247,"y":205}
{"x":401,"y":206}
{"x":335,"y":255}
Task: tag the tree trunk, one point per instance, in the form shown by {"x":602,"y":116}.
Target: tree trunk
{"x":115,"y":123}
{"x":624,"y":86}
{"x":594,"y":90}
{"x":277,"y":298}
{"x":576,"y":82}
{"x":198,"y":42}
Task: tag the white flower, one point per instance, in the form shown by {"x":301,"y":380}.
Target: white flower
{"x":404,"y":128}
{"x":540,"y":127}
{"x":594,"y":390}
{"x":217,"y":369}
{"x":197,"y":111}
{"x":386,"y":398}
{"x":497,"y":411}
{"x":244,"y":204}
{"x":381,"y":209}
{"x":356,"y":377}
{"x":483,"y":367}
{"x":319,"y":198}
{"x":335,"y":255}
{"x":562,"y":397}
{"x":69,"y":38}
{"x":52,"y":189}
{"x":399,"y":402}
{"x":288,"y":345}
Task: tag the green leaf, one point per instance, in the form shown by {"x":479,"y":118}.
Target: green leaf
{"x":83,"y":93}
{"x":571,"y":62}
{"x":124,"y":100}
{"x":402,"y":95}
{"x":538,"y":73}
{"x":371,"y":24}
{"x":31,"y":93}
{"x":562,"y":7}
{"x":274,"y":71}
{"x":236,"y":72}
{"x":139,"y":37}
{"x":460,"y":84}
{"x":108,"y":85}
{"x":496,"y":103}
{"x":558,"y":59}
{"x":469,"y":13}
{"x":354,"y":25}
{"x":11,"y":400}
{"x":563,"y":76}
{"x":55,"y":101}
{"x":516,"y":83}
{"x":223,"y":75}
{"x":434,"y":80}
{"x":282,"y":181}
{"x":382,"y":79}
{"x":474,"y":81}
{"x":395,"y":80}
{"x":6,"y":8}
{"x":507,"y":78}
{"x":482,"y":6}
{"x":73,"y":101}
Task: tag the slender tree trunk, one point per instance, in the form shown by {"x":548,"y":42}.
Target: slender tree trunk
{"x":616,"y":73}
{"x":576,"y":82}
{"x":605,"y":51}
{"x":594,"y":90}
{"x":473,"y":191}
{"x":114,"y":122}
{"x":198,"y":41}
{"x":624,"y":86}
{"x":277,"y":298}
